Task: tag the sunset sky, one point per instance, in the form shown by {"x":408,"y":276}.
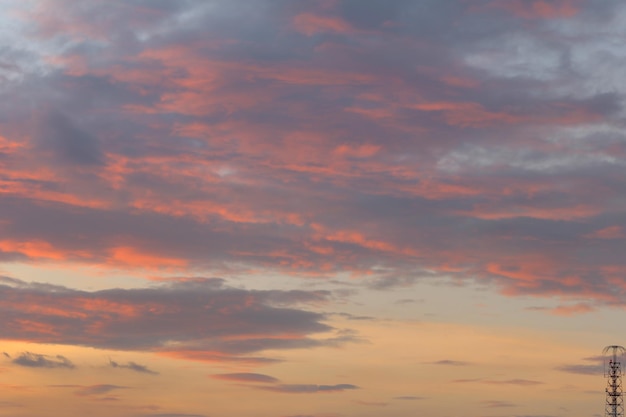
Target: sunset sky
{"x":311,"y":208}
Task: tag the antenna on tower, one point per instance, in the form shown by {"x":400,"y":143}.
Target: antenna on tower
{"x":614,"y":406}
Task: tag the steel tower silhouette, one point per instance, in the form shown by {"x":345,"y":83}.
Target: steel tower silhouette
{"x":614,"y":406}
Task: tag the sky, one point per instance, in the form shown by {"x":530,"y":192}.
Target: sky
{"x":311,"y":208}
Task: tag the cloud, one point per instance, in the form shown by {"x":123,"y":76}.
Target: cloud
{"x":519,"y":382}
{"x":69,"y":143}
{"x":172,"y":415}
{"x":133,"y":367}
{"x":408,"y":398}
{"x":349,"y":316}
{"x":611,"y":232}
{"x":596,"y":367}
{"x":97,"y":389}
{"x":34,"y":360}
{"x":409,"y":301}
{"x":11,"y":404}
{"x":311,"y":143}
{"x":540,"y":9}
{"x":534,"y":415}
{"x":449,"y":362}
{"x":201,"y":319}
{"x":308,"y":388}
{"x":371,"y":403}
{"x":246,"y":377}
{"x":269,"y":383}
{"x":498,"y":404}
{"x":581,"y":369}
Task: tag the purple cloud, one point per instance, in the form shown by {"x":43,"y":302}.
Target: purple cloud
{"x":318,"y":152}
{"x":202,"y":316}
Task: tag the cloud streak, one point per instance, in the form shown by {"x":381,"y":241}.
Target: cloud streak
{"x":308,"y":388}
{"x":246,"y":377}
{"x":97,"y":389}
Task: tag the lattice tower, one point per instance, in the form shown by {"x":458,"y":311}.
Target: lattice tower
{"x":614,"y":406}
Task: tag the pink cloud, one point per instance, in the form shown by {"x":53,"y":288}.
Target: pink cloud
{"x":197,"y":320}
{"x":611,"y":232}
{"x":311,"y":24}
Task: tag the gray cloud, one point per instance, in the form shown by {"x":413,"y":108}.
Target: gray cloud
{"x":133,"y":367}
{"x":247,"y":377}
{"x":581,"y":369}
{"x":519,"y":382}
{"x":200,"y":315}
{"x":450,"y":362}
{"x":71,"y":144}
{"x":97,"y":389}
{"x":172,"y":415}
{"x":535,"y":415}
{"x":595,"y":366}
{"x":498,"y":404}
{"x":34,"y":360}
{"x":308,"y":388}
{"x":495,"y":142}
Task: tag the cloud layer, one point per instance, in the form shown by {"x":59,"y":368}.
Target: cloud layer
{"x":201,"y":319}
{"x":392,"y":140}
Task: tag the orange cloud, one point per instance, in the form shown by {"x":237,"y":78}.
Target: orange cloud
{"x":131,"y":256}
{"x":38,"y":249}
{"x":494,"y":212}
{"x":362,"y":151}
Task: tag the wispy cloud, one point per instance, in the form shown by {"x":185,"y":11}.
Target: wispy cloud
{"x":133,"y":367}
{"x":371,"y":403}
{"x":171,"y":415}
{"x":247,"y":377}
{"x":593,"y":366}
{"x":97,"y":389}
{"x":498,"y":404}
{"x":450,"y":362}
{"x":308,"y":388}
{"x":408,"y":398}
{"x":519,"y":382}
{"x":34,"y":360}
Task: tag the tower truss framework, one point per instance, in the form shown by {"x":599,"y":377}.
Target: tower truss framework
{"x":614,"y":406}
